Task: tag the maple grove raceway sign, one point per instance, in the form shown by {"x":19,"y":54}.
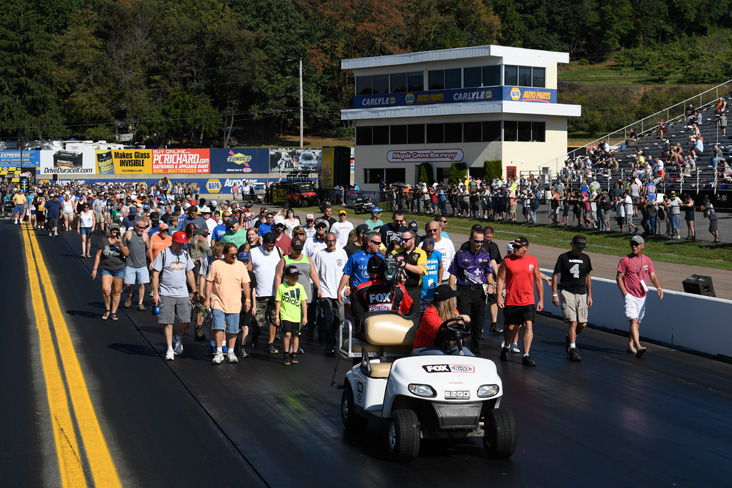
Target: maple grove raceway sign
{"x":425,"y":156}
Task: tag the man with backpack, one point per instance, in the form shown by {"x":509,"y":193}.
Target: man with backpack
{"x":171,"y":279}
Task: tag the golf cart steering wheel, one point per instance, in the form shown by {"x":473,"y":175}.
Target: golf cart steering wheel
{"x":457,"y":327}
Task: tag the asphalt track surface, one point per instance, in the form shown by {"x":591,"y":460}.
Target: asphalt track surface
{"x":612,"y":420}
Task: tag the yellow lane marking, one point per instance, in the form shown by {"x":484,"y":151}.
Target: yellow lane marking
{"x":95,"y":446}
{"x":67,"y":448}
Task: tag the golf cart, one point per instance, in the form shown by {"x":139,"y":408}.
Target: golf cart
{"x":439,"y":395}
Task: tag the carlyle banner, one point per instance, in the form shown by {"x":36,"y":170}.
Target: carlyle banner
{"x":124,"y":162}
{"x":459,"y":95}
{"x":190,"y":161}
{"x":236,"y":160}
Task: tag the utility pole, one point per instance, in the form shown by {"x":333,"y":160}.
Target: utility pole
{"x":301,"y":111}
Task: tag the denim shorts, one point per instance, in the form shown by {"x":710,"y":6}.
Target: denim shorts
{"x":85,"y":231}
{"x":136,"y":275}
{"x":228,"y":321}
{"x":120,"y":273}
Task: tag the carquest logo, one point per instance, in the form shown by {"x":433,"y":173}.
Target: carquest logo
{"x":213,"y":186}
{"x":515,"y":94}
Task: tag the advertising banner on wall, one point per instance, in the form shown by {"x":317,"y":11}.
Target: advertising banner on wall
{"x":294,"y":160}
{"x":189,"y":161}
{"x":24,"y":159}
{"x":461,"y":95}
{"x":80,"y":161}
{"x":124,"y":162}
{"x":238,"y":160}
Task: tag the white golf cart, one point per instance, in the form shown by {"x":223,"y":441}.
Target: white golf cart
{"x":425,"y":396}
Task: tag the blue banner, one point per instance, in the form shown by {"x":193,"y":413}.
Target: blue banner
{"x":237,"y":160}
{"x":462,"y":95}
{"x":16,"y":159}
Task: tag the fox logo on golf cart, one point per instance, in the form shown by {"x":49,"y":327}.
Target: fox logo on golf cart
{"x":448,"y":368}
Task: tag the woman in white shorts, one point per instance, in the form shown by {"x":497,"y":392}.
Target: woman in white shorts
{"x":85,"y":227}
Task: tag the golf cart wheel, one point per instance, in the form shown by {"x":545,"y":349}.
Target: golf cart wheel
{"x":351,"y":420}
{"x":499,"y":439}
{"x":403,"y":435}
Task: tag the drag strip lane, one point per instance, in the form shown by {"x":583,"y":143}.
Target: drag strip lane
{"x":68,"y":397}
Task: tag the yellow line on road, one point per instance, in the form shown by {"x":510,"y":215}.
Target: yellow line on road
{"x":95,"y":446}
{"x":67,"y":448}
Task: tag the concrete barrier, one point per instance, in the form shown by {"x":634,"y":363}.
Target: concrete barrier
{"x":694,"y":322}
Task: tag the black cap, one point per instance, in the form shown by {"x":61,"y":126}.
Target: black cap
{"x":413,"y":226}
{"x":269,"y":238}
{"x":520,"y":242}
{"x":443,"y":292}
{"x":362,"y":229}
{"x":232,"y":222}
{"x":476,"y":227}
{"x":579,"y":241}
{"x":155,"y":216}
{"x":297,"y":244}
{"x":376,"y":264}
{"x":292,"y":270}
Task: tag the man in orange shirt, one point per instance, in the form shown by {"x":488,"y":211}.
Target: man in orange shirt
{"x":228,"y":280}
{"x":517,"y":275}
{"x":157,"y":242}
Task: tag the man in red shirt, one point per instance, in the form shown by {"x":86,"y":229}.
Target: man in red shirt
{"x":634,"y":271}
{"x":517,"y":275}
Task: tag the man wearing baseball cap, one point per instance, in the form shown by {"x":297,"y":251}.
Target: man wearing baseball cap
{"x":518,"y":275}
{"x":234,"y":233}
{"x":172,"y":277}
{"x":573,"y":291}
{"x":634,"y":272}
{"x":357,"y":245}
{"x":375,"y":222}
{"x":310,"y":225}
{"x":342,"y":228}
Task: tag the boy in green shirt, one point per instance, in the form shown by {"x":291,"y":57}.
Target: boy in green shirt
{"x":290,"y":311}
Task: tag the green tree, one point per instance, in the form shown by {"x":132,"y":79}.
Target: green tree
{"x":458,"y":172}
{"x":28,"y":107}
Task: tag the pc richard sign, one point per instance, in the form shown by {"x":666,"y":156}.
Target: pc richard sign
{"x":425,"y":156}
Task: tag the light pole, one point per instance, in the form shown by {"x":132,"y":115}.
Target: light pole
{"x":301,"y":111}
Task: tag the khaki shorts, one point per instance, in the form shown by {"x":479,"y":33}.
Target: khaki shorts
{"x":574,"y":307}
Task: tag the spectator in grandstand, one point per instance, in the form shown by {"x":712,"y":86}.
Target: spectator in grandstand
{"x":634,"y":272}
{"x":688,"y":207}
{"x":662,"y":129}
{"x":716,"y":155}
{"x":709,"y":212}
{"x":722,"y":121}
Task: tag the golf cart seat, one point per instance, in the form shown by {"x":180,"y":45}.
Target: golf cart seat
{"x":387,"y":334}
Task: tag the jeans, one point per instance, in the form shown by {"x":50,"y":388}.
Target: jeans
{"x":653,"y":224}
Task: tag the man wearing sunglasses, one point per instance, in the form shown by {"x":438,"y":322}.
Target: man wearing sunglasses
{"x":136,"y":270}
{"x":634,"y":271}
{"x":415,"y":260}
{"x":471,"y":271}
{"x":444,"y":245}
{"x":518,"y":274}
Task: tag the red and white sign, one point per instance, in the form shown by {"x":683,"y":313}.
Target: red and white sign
{"x":193,"y":161}
{"x":425,"y":156}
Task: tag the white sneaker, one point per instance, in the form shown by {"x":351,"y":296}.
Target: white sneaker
{"x":231,"y":356}
{"x":50,"y":234}
{"x":55,"y":234}
{"x":170,"y":355}
{"x":178,"y":348}
{"x":515,"y":349}
{"x":218,"y":358}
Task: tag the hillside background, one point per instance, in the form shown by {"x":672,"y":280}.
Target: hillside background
{"x":196,"y":72}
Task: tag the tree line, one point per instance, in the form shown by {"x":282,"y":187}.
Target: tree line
{"x":190,"y":70}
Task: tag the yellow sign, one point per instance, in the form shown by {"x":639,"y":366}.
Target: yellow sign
{"x":213,"y":185}
{"x":124,"y":162}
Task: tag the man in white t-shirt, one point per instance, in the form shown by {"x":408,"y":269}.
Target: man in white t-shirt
{"x":442,"y":244}
{"x":329,"y":263}
{"x":264,"y":266}
{"x":342,"y":228}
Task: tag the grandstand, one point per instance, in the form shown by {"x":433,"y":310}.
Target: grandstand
{"x":698,"y":178}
